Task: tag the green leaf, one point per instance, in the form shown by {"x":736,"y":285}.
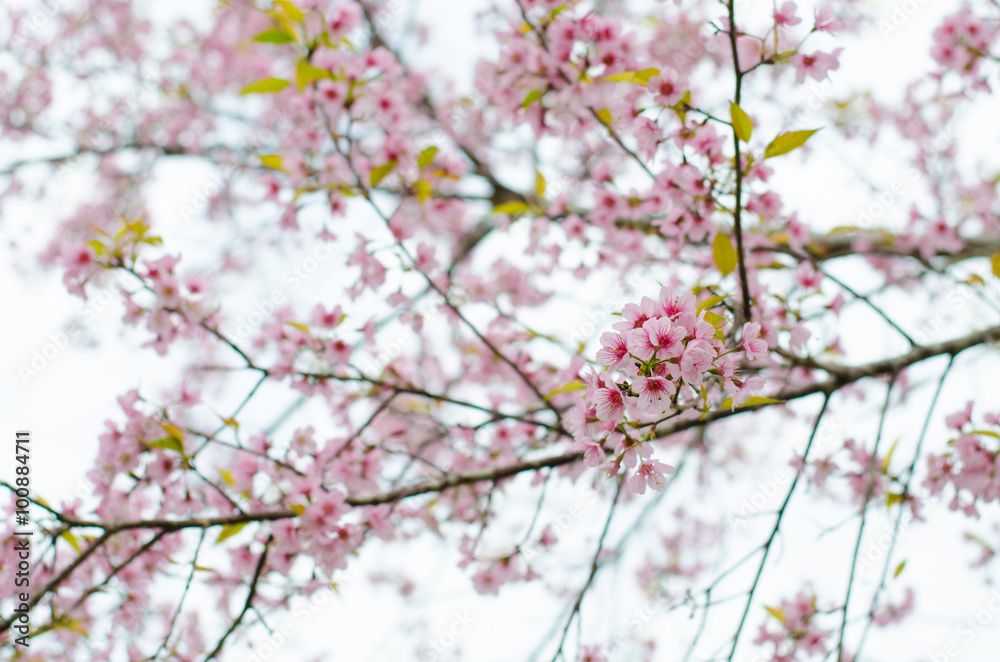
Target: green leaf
{"x":422,"y":190}
{"x":710,"y":302}
{"x":427,"y":156}
{"x":681,"y":106}
{"x":227,"y":476}
{"x":752,"y":401}
{"x":899,"y":569}
{"x":272,"y":161}
{"x":741,"y":122}
{"x":513,"y":208}
{"x":305,"y":74}
{"x":605,"y":116}
{"x":892,"y":498}
{"x":168,"y":443}
{"x":989,"y":433}
{"x":786,"y":142}
{"x":71,"y":539}
{"x":539,"y":185}
{"x":724,"y":254}
{"x":575,"y":385}
{"x":888,"y":457}
{"x":531,"y":98}
{"x":228,"y":531}
{"x":777,"y":613}
{"x":293,"y":12}
{"x":266,"y":85}
{"x":717,"y":321}
{"x":379,"y":173}
{"x":173,"y":430}
{"x":995,"y":263}
{"x":638,"y":77}
{"x":274,"y":37}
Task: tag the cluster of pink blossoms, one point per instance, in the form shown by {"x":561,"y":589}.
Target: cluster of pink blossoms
{"x":664,"y":358}
{"x":962,"y":41}
{"x":972,"y":464}
{"x":799,"y":632}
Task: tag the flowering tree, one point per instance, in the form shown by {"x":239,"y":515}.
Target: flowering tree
{"x":589,"y":272}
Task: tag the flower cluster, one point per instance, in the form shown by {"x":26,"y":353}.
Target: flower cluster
{"x":799,"y":633}
{"x":664,"y":358}
{"x":962,"y":40}
{"x":971,"y":465}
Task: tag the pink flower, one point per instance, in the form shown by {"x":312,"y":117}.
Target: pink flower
{"x":634,"y":316}
{"x":815,"y":65}
{"x":675,"y":303}
{"x":649,"y":473}
{"x":668,"y":87}
{"x":807,"y":277}
{"x":958,"y":420}
{"x":324,"y":513}
{"x":654,"y":393}
{"x":326,"y":319}
{"x":825,"y":20}
{"x":593,"y":450}
{"x":741,"y":393}
{"x":697,"y":358}
{"x":591,"y":654}
{"x":488,"y":581}
{"x":753,"y":347}
{"x":610,"y":404}
{"x":891,"y":613}
{"x":614,"y":350}
{"x":657,"y":337}
{"x":800,"y":334}
{"x":785,"y":16}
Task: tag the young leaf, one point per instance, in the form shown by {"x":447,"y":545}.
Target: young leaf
{"x":379,"y":173}
{"x":605,"y":116}
{"x":575,"y":385}
{"x":777,"y":613}
{"x":539,"y":185}
{"x":710,"y":302}
{"x":228,"y":531}
{"x":167,"y":443}
{"x":752,"y":401}
{"x":741,"y":122}
{"x":293,"y":12}
{"x":786,"y":142}
{"x":306,"y":73}
{"x":273,"y":37}
{"x":266,"y":85}
{"x":724,"y":254}
{"x":272,"y":161}
{"x":718,"y":321}
{"x":512,"y":208}
{"x":227,"y":476}
{"x":638,"y":77}
{"x":71,"y":539}
{"x":173,"y":431}
{"x":427,"y":156}
{"x":899,"y":569}
{"x":422,"y":190}
{"x":995,"y":263}
{"x":888,"y":457}
{"x":531,"y":98}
